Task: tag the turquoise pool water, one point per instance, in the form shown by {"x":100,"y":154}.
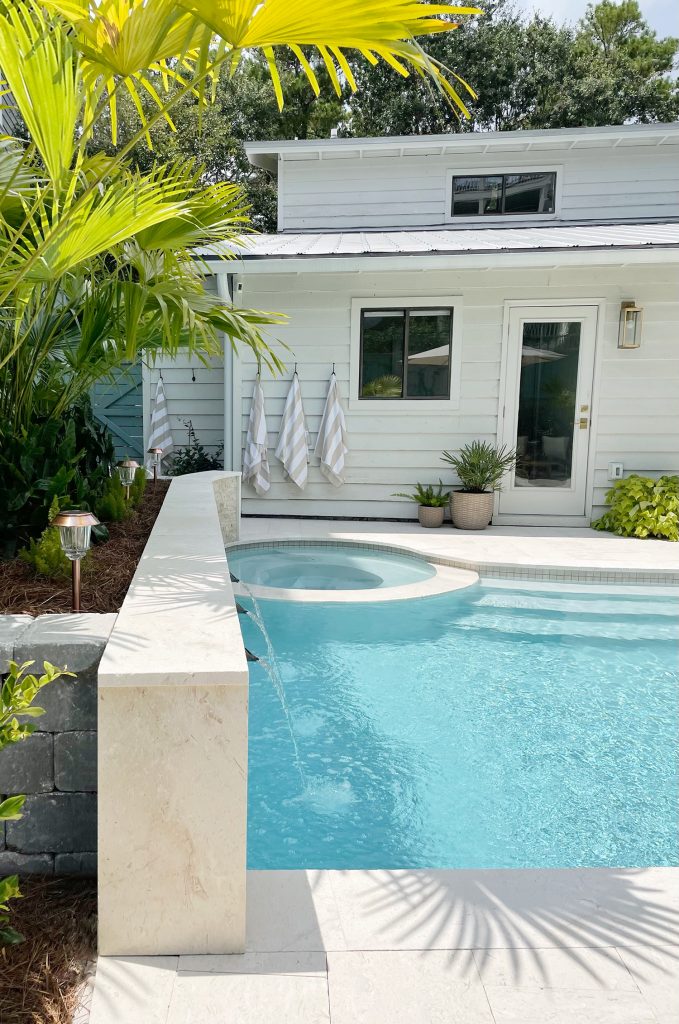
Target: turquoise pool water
{"x":321,"y":567}
{"x":494,"y":727}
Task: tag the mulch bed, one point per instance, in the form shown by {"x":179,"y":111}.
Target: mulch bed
{"x":42,"y":978}
{"x":106,"y":575}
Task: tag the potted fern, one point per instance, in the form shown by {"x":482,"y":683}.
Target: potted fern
{"x":431,"y":503}
{"x":480,"y":467}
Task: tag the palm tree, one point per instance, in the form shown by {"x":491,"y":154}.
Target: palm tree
{"x":97,"y":261}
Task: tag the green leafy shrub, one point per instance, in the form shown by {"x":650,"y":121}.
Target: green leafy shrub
{"x":480,"y":466}
{"x":46,"y":554}
{"x":138,"y":486}
{"x":67,"y":459}
{"x":111,"y":506}
{"x":642,"y":507}
{"x":194,"y":458}
{"x":16,"y":701}
{"x":429,"y":496}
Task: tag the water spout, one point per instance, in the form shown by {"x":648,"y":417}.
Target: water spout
{"x":250,"y":656}
{"x":241,"y":610}
{"x":270,"y":666}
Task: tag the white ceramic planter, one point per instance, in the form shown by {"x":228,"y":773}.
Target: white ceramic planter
{"x":471,"y":511}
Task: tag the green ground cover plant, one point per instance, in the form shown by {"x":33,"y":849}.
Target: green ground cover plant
{"x":642,"y":507}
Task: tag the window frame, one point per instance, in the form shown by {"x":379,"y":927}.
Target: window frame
{"x":397,"y":406}
{"x":494,"y":219}
{"x":407,"y":310}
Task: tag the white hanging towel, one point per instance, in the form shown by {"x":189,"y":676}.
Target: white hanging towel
{"x":331,"y":444}
{"x":160,"y":435}
{"x":293,"y":441}
{"x":255,"y":456}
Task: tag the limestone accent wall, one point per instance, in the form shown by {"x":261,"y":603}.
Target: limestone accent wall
{"x":56,"y":767}
{"x":173,"y":699}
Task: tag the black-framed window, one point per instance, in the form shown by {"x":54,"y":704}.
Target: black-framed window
{"x":498,"y":195}
{"x":405,"y":353}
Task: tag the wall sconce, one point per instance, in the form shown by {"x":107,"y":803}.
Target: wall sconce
{"x":126,"y":470}
{"x":74,"y":533}
{"x":629,"y":334}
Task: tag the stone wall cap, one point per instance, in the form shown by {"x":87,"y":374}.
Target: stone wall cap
{"x":12,"y":627}
{"x":178,"y":625}
{"x":85,"y":627}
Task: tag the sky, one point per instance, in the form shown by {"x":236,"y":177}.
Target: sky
{"x":662,"y":15}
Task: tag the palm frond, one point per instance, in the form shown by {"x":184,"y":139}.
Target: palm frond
{"x":41,"y":71}
{"x":213,"y":32}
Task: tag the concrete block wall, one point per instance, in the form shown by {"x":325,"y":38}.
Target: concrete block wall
{"x":56,"y":767}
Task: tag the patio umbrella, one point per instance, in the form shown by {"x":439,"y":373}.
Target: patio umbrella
{"x":530,"y":355}
{"x":255,"y":456}
{"x":438,"y":356}
{"x":331,"y":444}
{"x":293,"y":445}
{"x":160,"y":435}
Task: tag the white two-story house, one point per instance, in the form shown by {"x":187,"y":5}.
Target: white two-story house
{"x":465,"y":286}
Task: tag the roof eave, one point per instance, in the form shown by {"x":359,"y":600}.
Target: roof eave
{"x":471,"y":260}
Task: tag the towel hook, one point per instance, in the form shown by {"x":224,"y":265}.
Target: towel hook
{"x":294,"y":372}
{"x":193,"y":375}
{"x":333,"y":370}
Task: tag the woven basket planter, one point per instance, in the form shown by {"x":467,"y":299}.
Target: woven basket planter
{"x":471,"y":511}
{"x":430,"y":517}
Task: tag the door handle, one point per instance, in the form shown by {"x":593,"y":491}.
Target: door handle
{"x":584,"y":423}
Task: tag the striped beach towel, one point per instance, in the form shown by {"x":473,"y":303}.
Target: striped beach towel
{"x":160,"y":435}
{"x":293,"y":442}
{"x":255,"y":456}
{"x":331,"y":444}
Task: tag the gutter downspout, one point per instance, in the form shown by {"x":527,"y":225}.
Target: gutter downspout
{"x":225,"y":291}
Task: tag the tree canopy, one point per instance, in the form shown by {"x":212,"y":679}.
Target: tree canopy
{"x":528,"y":73}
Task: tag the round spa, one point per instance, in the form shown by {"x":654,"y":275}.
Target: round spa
{"x":326,"y":567}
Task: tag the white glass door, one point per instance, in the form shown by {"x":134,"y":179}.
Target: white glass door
{"x":548,"y":403}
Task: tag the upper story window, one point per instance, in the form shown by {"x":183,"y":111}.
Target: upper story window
{"x":498,"y":195}
{"x":405,"y":353}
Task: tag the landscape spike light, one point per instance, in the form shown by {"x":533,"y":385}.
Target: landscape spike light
{"x":75,"y":527}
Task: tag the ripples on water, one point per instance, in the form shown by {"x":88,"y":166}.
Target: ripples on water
{"x":493,"y":727}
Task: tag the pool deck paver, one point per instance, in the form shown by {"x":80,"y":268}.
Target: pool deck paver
{"x":523,"y":946}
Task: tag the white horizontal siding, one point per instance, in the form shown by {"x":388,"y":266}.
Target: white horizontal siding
{"x":413,"y":190}
{"x":638,"y":408}
{"x":201,"y":401}
{"x":636,"y":404}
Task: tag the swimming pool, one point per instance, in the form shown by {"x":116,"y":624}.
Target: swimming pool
{"x":497,"y":726}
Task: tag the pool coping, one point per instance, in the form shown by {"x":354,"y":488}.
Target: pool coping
{"x":498,"y":570}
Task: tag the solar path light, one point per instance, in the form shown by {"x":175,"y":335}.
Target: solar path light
{"x":75,"y":526}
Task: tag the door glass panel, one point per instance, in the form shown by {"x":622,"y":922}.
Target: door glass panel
{"x":547,"y":395}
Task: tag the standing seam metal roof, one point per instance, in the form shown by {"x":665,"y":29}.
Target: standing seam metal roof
{"x":442,"y":241}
